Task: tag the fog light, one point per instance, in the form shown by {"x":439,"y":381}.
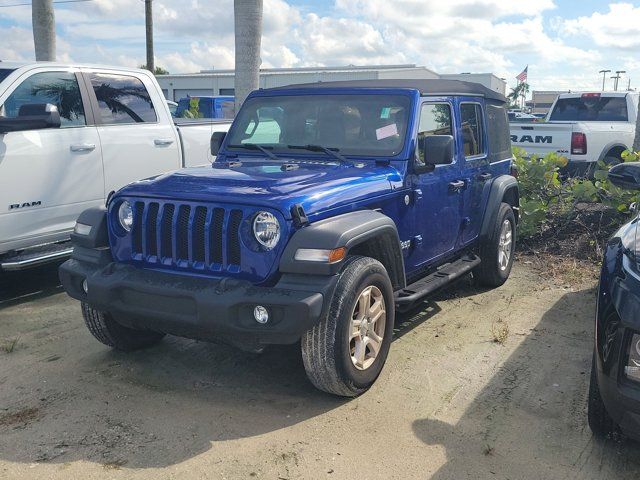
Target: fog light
{"x":261,"y":314}
{"x":632,"y":369}
{"x":85,"y":286}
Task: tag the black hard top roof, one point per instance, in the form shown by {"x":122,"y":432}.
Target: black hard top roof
{"x":425,"y":87}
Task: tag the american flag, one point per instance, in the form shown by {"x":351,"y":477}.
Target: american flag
{"x":523,"y":76}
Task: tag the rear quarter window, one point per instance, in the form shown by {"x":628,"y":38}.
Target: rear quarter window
{"x":498,"y":133}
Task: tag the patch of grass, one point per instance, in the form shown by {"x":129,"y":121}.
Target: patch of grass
{"x":500,"y":332}
{"x":114,"y":465}
{"x":8,"y":346}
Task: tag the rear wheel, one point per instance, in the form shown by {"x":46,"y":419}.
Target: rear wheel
{"x":497,"y":249}
{"x":600,"y":422}
{"x":345,"y":352}
{"x":111,"y":333}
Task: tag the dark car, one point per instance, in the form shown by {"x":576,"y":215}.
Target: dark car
{"x":614,"y":393}
{"x":329,"y":207}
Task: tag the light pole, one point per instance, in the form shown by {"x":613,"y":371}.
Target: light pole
{"x":617,"y":77}
{"x":604,"y":76}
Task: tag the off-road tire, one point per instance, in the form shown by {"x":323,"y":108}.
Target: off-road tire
{"x":489,"y":273}
{"x":325,"y":347}
{"x":109,"y":332}
{"x":600,"y":422}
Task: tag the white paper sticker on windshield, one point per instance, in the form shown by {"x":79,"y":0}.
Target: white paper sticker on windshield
{"x":386,"y":132}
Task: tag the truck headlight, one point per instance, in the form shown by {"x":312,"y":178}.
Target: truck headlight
{"x":125,"y":216}
{"x":632,"y":369}
{"x":266,"y":229}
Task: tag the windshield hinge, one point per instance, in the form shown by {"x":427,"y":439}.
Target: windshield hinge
{"x":299,"y":217}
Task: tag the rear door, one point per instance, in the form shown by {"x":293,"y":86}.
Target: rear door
{"x":48,"y":176}
{"x":475,"y":166}
{"x":438,"y":201}
{"x":137,"y":139}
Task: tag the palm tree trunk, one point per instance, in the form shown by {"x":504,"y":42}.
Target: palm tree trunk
{"x":636,"y":141}
{"x":248,"y":33}
{"x":44,"y":30}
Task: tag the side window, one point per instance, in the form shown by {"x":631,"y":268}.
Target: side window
{"x":122,"y":99}
{"x":472,"y":129}
{"x":57,"y":88}
{"x":435,"y":119}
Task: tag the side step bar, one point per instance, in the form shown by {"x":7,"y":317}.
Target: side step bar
{"x":408,"y":296}
{"x":40,"y":256}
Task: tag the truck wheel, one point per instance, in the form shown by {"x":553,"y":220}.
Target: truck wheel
{"x":111,"y":333}
{"x":345,"y":352}
{"x":497,"y":249}
{"x":600,"y":422}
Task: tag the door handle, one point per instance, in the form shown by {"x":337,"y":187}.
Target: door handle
{"x":162,"y":142}
{"x":83,"y":147}
{"x":485,"y":176}
{"x":457,"y":185}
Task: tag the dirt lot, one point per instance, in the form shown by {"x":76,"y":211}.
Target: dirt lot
{"x":452,"y":403}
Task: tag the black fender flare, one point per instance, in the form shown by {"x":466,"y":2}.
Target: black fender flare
{"x":92,"y":246}
{"x":361,"y":228}
{"x":503,"y":188}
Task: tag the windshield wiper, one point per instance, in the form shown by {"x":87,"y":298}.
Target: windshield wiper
{"x":334,"y":152}
{"x":255,"y":146}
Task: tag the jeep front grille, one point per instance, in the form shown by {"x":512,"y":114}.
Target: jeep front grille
{"x":186,"y":235}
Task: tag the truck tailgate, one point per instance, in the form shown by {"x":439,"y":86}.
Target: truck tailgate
{"x":542,"y":138}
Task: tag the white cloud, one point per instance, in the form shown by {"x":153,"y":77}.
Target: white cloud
{"x":619,"y":28}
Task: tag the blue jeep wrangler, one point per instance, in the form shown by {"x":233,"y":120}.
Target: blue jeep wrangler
{"x":330,"y":206}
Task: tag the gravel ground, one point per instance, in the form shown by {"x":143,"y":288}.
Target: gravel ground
{"x":452,"y":403}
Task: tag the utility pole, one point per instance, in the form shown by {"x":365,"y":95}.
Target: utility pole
{"x":604,"y":77}
{"x":148,"y":17}
{"x":44,"y":30}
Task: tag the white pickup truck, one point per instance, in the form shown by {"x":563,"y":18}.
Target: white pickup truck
{"x":70,"y":135}
{"x":584,"y":127}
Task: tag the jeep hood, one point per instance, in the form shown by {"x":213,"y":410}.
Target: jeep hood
{"x":317,"y":186}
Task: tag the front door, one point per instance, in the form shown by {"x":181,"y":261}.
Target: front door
{"x":48,"y":176}
{"x":138,"y":140}
{"x":438,"y":198}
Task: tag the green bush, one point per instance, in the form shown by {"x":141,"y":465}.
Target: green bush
{"x":545,"y":198}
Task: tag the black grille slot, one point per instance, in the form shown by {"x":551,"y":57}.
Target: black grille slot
{"x":166,"y":233}
{"x":199,"y":220}
{"x":215,"y":240}
{"x":233,"y":237}
{"x":152,"y":229}
{"x":182,"y":232}
{"x":138,"y":210}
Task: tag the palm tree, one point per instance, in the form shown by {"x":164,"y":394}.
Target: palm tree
{"x":248,"y":33}
{"x":44,"y":30}
{"x":519,"y":92}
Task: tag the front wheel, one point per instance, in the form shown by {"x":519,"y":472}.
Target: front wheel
{"x":108,"y":331}
{"x":345,"y":352}
{"x":497,"y":249}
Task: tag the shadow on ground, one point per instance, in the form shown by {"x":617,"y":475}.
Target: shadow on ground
{"x":29,"y":285}
{"x":519,"y":425}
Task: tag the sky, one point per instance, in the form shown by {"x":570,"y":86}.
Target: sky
{"x":564,"y":42}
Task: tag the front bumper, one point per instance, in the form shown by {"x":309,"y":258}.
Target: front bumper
{"x":213,"y":309}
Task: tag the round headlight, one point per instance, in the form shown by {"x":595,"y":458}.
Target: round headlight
{"x":125,"y":216}
{"x":266,"y":229}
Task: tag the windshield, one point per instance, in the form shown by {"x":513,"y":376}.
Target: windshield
{"x":368,"y":125}
{"x":591,"y":109}
{"x":4,"y":73}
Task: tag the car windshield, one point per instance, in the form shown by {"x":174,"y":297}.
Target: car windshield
{"x":4,"y":73}
{"x":591,"y":109}
{"x":363,"y":124}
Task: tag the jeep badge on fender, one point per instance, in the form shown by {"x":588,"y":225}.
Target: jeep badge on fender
{"x":292,"y":235}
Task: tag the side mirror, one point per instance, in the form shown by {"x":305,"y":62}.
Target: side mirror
{"x":216,"y":142}
{"x":626,"y":175}
{"x":32,"y":116}
{"x":433,"y":150}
